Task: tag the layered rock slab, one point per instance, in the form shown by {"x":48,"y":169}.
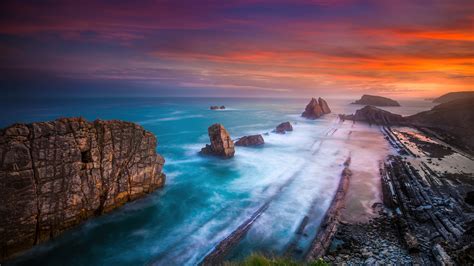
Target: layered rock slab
{"x":57,"y":174}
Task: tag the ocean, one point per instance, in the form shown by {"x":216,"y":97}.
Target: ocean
{"x":206,"y":198}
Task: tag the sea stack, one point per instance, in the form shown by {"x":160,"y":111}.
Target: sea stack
{"x":284,"y":127}
{"x":253,"y":140}
{"x":54,"y":175}
{"x":221,"y":143}
{"x":376,"y":101}
{"x":316,"y":108}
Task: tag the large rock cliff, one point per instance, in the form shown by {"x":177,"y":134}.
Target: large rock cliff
{"x":57,"y":174}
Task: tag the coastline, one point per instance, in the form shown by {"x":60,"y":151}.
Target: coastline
{"x":423,"y":218}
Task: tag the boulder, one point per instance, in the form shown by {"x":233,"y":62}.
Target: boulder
{"x":376,"y":101}
{"x":253,"y":140}
{"x":221,"y":143}
{"x":55,"y":175}
{"x":284,"y":127}
{"x":316,"y":108}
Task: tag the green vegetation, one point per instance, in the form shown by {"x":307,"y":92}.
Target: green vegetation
{"x":261,"y":260}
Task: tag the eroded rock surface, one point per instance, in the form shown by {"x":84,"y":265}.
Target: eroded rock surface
{"x":316,"y":108}
{"x":221,"y":143}
{"x":253,"y":140}
{"x":57,"y":174}
{"x":284,"y":127}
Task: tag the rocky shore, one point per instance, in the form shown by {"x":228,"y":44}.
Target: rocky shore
{"x":54,"y":175}
{"x":425,"y":217}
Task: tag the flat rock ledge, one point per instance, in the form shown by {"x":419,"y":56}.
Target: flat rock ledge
{"x":221,"y":143}
{"x":55,"y":175}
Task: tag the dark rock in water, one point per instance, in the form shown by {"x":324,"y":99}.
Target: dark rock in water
{"x":376,"y":101}
{"x":469,"y":198}
{"x":215,"y":107}
{"x":54,"y":175}
{"x":374,"y":115}
{"x":284,"y":127}
{"x":221,"y":143}
{"x":253,"y":140}
{"x":316,"y":108}
{"x":454,"y":96}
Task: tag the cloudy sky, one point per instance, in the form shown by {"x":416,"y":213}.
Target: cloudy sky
{"x":403,"y":48}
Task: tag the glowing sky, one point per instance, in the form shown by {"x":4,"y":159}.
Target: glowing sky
{"x":401,"y":48}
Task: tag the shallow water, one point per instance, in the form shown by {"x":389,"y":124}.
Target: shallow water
{"x":206,"y":198}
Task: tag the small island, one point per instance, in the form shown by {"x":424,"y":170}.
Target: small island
{"x":376,"y":101}
{"x":454,"y":96}
{"x":215,"y":107}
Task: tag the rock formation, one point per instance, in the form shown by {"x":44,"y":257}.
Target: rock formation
{"x":376,"y":101}
{"x":57,"y":174}
{"x":284,"y":127}
{"x":221,"y":143}
{"x":374,"y":115}
{"x":215,"y":107}
{"x":316,"y":108}
{"x":454,"y":118}
{"x":454,"y":96}
{"x":253,"y":140}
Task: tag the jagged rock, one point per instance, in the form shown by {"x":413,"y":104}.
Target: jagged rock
{"x":374,"y":115}
{"x":316,"y":108}
{"x":57,"y":174}
{"x":221,"y":143}
{"x":253,"y":140}
{"x":215,"y":107}
{"x":284,"y":127}
{"x":376,"y":101}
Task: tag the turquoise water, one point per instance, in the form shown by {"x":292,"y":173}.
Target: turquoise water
{"x":204,"y":198}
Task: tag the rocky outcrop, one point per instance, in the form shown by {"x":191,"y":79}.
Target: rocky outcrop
{"x":454,"y":118}
{"x":57,"y":174}
{"x":316,"y":108}
{"x":374,"y":115}
{"x":253,"y":140}
{"x":454,"y":96}
{"x":221,"y":143}
{"x":376,"y":101}
{"x":215,"y":107}
{"x":284,"y":127}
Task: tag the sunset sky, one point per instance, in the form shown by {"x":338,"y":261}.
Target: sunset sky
{"x":400,"y":48}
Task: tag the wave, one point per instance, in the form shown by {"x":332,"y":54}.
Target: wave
{"x":171,"y":118}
